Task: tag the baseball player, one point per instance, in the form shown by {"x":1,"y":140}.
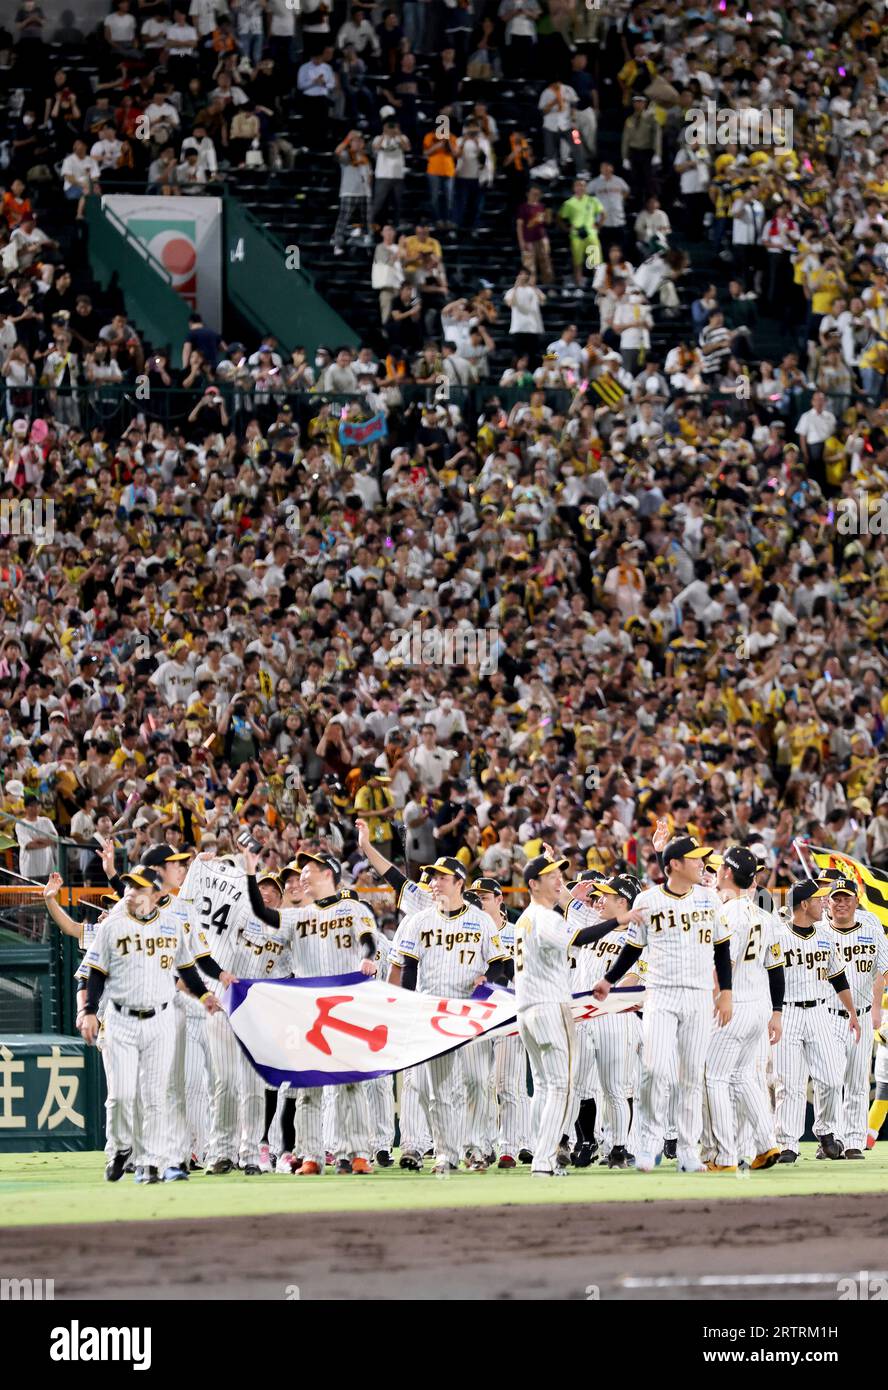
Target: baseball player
{"x":219,"y":904}
{"x":510,"y":1059}
{"x":732,"y":1090}
{"x":684,"y":941}
{"x":808,"y":1045}
{"x":281,"y":1130}
{"x":543,"y":940}
{"x":426,"y":955}
{"x":606,"y":1046}
{"x":448,"y":949}
{"x":380,"y":1089}
{"x":137,"y":953}
{"x":334,"y":934}
{"x":189,"y":1085}
{"x":863,"y":951}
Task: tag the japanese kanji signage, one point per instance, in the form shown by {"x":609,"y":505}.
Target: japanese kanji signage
{"x":49,"y":1093}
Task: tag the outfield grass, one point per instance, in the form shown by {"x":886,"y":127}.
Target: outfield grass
{"x":50,"y":1189}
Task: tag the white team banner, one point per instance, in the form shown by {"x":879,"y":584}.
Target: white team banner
{"x":185,"y":235}
{"x":330,"y":1031}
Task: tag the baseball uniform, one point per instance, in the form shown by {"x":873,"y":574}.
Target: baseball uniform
{"x":863,"y":951}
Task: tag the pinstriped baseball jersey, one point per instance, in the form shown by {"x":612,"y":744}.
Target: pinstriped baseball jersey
{"x":542,"y":962}
{"x":217,"y":891}
{"x":179,"y":907}
{"x":381,"y":959}
{"x":863,"y":951}
{"x":414,"y":898}
{"x":809,"y":962}
{"x":452,"y":948}
{"x":140,"y":957}
{"x":324,"y":938}
{"x":679,"y":930}
{"x":755,"y":949}
{"x":592,"y":961}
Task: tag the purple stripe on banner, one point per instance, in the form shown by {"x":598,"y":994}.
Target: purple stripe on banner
{"x":238,"y":992}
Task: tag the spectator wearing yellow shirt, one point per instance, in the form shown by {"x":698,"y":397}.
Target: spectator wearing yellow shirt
{"x":376,"y":805}
{"x":411,"y":249}
{"x":823,"y":287}
{"x":129,"y":748}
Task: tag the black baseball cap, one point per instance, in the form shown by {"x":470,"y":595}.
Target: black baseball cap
{"x":843,"y":885}
{"x":472,"y":898}
{"x":162,"y":854}
{"x":625,"y":885}
{"x":685,"y":847}
{"x":486,"y":885}
{"x":803,"y":890}
{"x":445,"y":864}
{"x":143,"y":878}
{"x":542,"y":864}
{"x":326,"y":861}
{"x":740,"y":860}
{"x":588,"y":876}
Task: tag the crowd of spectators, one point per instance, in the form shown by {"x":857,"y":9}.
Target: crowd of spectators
{"x":671,"y":539}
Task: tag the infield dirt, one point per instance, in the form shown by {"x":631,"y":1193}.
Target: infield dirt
{"x":526,"y":1252}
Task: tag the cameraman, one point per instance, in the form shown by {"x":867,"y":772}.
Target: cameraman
{"x":391,"y":149}
{"x":474,"y":171}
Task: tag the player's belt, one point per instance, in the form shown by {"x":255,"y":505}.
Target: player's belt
{"x":138,"y":1013}
{"x":805,"y":1003}
{"x":843,"y":1013}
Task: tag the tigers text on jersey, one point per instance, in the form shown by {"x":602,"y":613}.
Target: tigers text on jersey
{"x":679,"y":931}
{"x":543,"y":939}
{"x":809,"y":962}
{"x":452,"y":949}
{"x":140,"y":958}
{"x":863,"y":952}
{"x":755,"y":949}
{"x":592,"y":962}
{"x":324,"y":938}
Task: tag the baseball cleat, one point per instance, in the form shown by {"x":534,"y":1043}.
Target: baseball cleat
{"x":361,"y":1165}
{"x":831,"y":1147}
{"x":525,"y":1156}
{"x":222,"y":1165}
{"x":490,"y":1158}
{"x":147,"y":1175}
{"x":646,"y":1163}
{"x":541,"y":1173}
{"x":563,"y":1156}
{"x":693,"y":1165}
{"x":443,"y":1167}
{"x":252,"y":1170}
{"x":853,"y":1153}
{"x":712,"y":1167}
{"x":872,"y":1136}
{"x":309,"y":1170}
{"x":344,"y":1165}
{"x":506,"y":1161}
{"x":130,"y":1167}
{"x":478,"y":1164}
{"x":411,"y":1160}
{"x":175,"y":1173}
{"x":670,"y":1148}
{"x":117,"y":1167}
{"x":787,"y":1156}
{"x":618,"y":1157}
{"x":384,"y":1158}
{"x":194,"y":1164}
{"x":766,"y":1160}
{"x":266,"y":1163}
{"x":583,"y":1155}
{"x":285,"y":1164}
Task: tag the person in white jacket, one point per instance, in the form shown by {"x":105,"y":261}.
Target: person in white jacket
{"x":525,"y":300}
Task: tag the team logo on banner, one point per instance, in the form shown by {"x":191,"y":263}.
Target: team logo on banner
{"x":342,"y":1028}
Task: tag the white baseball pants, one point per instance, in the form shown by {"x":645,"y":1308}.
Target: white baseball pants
{"x":510,"y":1066}
{"x":381,"y":1100}
{"x":733,"y":1090}
{"x":138,"y":1053}
{"x":189,"y":1084}
{"x":477,"y":1110}
{"x":677,"y":1028}
{"x":548,"y":1033}
{"x":856,"y":1079}
{"x":237,"y":1110}
{"x":412,"y":1120}
{"x":807,"y":1047}
{"x":348,"y":1120}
